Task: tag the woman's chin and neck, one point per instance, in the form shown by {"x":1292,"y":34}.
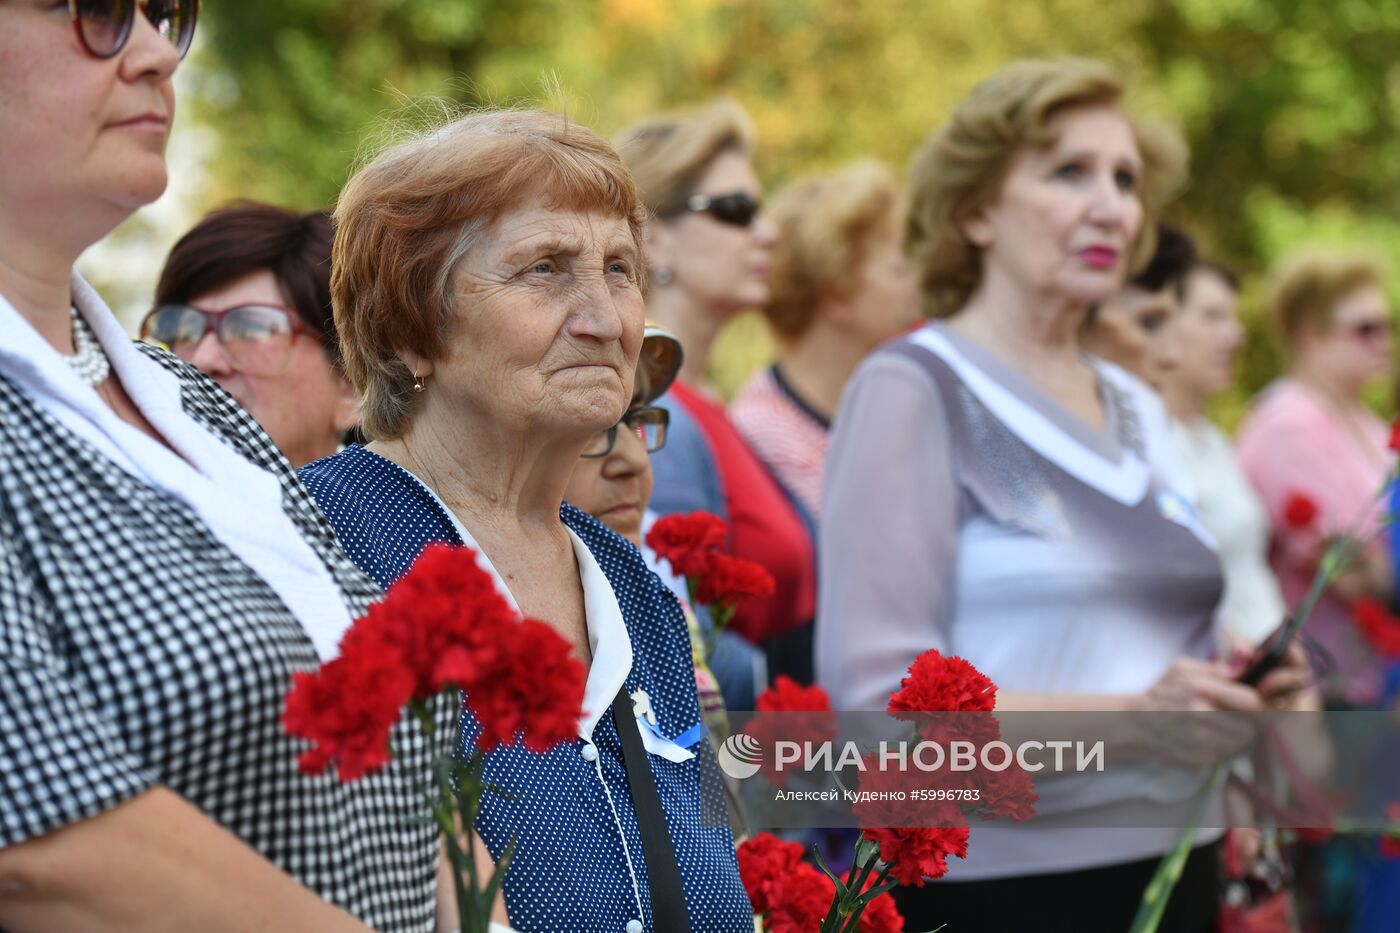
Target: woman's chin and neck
{"x":39,"y":245}
{"x":1186,"y":402}
{"x":491,"y":472}
{"x":1015,"y":318}
{"x":1340,"y":385}
{"x":817,"y":365}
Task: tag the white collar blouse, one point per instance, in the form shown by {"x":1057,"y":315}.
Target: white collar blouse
{"x":153,"y":608}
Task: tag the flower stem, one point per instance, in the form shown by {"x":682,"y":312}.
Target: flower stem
{"x":1159,"y":888}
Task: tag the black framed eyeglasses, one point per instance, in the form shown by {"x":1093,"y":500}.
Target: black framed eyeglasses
{"x":104,"y":26}
{"x":737,"y":209}
{"x":256,"y":339}
{"x":649,"y":424}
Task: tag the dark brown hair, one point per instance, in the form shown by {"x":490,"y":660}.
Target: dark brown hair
{"x":247,"y":237}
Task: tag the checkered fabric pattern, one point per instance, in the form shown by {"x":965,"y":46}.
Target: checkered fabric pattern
{"x":136,"y":650}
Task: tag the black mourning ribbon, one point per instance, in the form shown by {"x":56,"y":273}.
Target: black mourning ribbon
{"x":668,"y":909}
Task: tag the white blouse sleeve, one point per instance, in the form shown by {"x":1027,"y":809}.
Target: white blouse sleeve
{"x":889,"y":534}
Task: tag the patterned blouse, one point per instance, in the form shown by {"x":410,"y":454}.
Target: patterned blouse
{"x":967,"y":511}
{"x":137,"y":650}
{"x":578,"y":862}
{"x":787,"y":435}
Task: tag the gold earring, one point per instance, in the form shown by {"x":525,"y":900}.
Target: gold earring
{"x":417,"y":383}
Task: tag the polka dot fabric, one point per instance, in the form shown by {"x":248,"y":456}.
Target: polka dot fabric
{"x":577,"y":843}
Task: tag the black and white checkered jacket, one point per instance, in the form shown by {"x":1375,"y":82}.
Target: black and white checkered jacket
{"x":136,"y":650}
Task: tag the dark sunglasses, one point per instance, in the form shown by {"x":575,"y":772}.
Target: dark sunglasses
{"x":255,"y":339}
{"x":104,"y":26}
{"x":1369,"y":330}
{"x":649,"y":424}
{"x":737,"y":209}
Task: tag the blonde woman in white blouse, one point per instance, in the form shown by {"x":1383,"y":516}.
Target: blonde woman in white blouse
{"x":997,"y":494}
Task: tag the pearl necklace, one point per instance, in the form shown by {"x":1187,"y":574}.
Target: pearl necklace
{"x":90,"y":363}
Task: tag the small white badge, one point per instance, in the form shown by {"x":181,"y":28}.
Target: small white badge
{"x":641,"y":706}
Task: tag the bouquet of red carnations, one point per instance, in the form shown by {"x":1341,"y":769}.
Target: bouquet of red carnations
{"x":442,"y":628}
{"x":946,"y":698}
{"x":694,"y":546}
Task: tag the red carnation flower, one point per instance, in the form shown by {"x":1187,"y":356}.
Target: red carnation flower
{"x":787,"y":695}
{"x":687,"y":541}
{"x":444,"y":616}
{"x":765,"y":861}
{"x":792,"y":896}
{"x":443,"y":624}
{"x":880,"y":915}
{"x":1395,"y":435}
{"x":1378,"y":624}
{"x":728,"y":579}
{"x":916,"y":851}
{"x":802,"y":902}
{"x":790,"y":712}
{"x":347,"y":708}
{"x":1299,"y":511}
{"x":1390,"y":839}
{"x":936,"y":683}
{"x":534,"y":694}
{"x":1009,"y":793}
{"x":805,"y":714}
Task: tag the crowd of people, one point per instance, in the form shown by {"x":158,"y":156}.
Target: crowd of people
{"x":985,"y":432}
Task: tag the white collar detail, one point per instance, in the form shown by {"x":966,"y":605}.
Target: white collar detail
{"x":1126,"y":481}
{"x":239,"y":502}
{"x":608,"y":641}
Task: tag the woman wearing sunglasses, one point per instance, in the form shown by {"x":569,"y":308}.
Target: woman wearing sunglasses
{"x":162,"y":572}
{"x":709,"y":251}
{"x":1310,"y":433}
{"x":245,"y":296}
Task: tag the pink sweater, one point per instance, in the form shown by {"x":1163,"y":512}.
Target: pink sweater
{"x":1295,"y":442}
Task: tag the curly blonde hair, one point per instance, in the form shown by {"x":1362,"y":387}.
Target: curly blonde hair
{"x":827,"y":224}
{"x":962,"y":166}
{"x":1308,"y":285}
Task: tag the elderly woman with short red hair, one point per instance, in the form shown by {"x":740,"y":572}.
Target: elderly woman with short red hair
{"x":487,"y":286}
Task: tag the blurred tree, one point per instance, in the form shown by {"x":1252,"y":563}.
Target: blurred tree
{"x":293,"y":86}
{"x":1290,"y":105}
{"x":826,"y":81}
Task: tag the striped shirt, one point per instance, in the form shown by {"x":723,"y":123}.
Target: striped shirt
{"x":787,"y":435}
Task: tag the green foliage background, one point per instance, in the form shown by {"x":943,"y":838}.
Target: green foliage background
{"x":1290,"y":105}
